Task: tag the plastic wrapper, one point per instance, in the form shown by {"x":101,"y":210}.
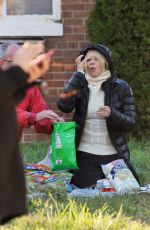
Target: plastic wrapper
{"x":39,"y":174}
{"x":104,"y":185}
{"x":120,"y":177}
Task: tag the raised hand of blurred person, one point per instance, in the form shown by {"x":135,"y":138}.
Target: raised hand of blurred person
{"x":28,"y":57}
{"x":38,"y":67}
{"x":26,"y":53}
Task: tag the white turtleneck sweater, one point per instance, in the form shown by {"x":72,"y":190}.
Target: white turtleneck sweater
{"x":95,"y":138}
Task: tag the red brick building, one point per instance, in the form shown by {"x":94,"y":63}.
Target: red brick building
{"x":73,"y":17}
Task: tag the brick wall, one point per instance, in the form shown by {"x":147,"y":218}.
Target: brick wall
{"x":74,"y":17}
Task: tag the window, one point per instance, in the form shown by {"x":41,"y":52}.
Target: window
{"x":28,"y":7}
{"x":31,"y":18}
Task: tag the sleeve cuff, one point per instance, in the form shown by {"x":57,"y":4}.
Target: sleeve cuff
{"x":77,"y":81}
{"x":32,"y":119}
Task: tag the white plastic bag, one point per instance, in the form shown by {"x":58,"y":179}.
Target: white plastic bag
{"x":47,"y":160}
{"x":120,"y":176}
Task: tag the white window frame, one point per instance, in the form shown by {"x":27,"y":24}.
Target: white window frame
{"x":32,"y":25}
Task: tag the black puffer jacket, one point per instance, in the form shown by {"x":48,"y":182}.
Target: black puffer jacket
{"x":118,"y":97}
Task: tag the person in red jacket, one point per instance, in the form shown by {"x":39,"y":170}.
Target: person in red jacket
{"x":32,"y":110}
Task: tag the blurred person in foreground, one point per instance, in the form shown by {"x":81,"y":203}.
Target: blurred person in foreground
{"x":33,"y":109}
{"x":27,"y":66}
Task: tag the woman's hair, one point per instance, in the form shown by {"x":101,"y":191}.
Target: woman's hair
{"x":99,"y":56}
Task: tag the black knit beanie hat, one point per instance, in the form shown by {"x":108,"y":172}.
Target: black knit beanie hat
{"x":102,"y":49}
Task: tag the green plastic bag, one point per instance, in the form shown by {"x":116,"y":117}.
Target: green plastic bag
{"x":63,"y":146}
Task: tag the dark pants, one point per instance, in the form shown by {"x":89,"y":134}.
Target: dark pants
{"x":90,"y":168}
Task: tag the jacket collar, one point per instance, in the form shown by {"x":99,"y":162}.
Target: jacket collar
{"x":109,"y":82}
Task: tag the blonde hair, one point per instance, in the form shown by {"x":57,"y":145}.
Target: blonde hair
{"x":99,"y":56}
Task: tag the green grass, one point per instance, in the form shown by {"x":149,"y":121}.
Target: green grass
{"x":56,"y":210}
{"x":34,"y":152}
{"x":140,"y":156}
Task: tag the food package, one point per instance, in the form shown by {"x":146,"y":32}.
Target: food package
{"x":120,"y":176}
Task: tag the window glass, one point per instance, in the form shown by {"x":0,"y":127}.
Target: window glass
{"x":28,"y":7}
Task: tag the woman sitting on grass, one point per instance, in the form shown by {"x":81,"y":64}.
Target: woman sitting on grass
{"x":104,"y":111}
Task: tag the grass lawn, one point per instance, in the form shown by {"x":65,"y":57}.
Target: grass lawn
{"x":56,"y":210}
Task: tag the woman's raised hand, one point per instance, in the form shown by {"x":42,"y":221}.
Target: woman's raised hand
{"x":80,"y":63}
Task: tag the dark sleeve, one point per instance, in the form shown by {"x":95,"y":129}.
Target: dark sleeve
{"x":66,"y":105}
{"x":11,"y":81}
{"x":77,"y":81}
{"x":126,"y":119}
